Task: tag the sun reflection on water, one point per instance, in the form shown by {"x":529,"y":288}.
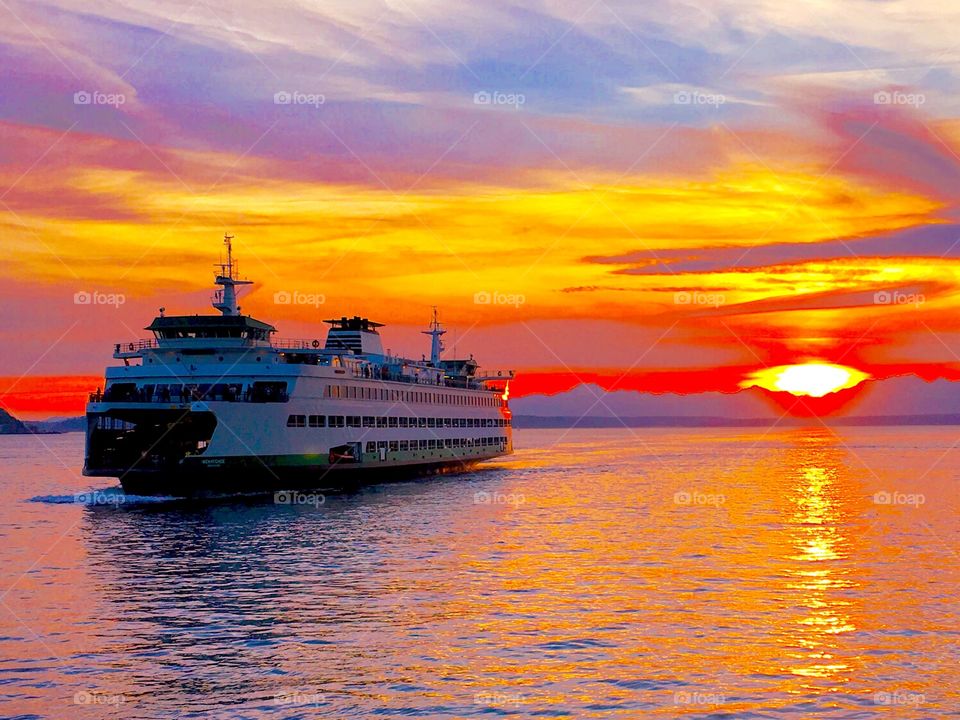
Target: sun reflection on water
{"x":820,"y":544}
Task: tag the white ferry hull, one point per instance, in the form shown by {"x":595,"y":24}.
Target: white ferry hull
{"x":215,"y":448}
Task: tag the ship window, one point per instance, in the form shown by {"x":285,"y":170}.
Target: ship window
{"x":431,"y":422}
{"x":404,"y":445}
{"x":369,"y":421}
{"x":335,"y":421}
{"x":269,"y":392}
{"x":403,"y":422}
{"x":318,"y":420}
{"x":381,"y":444}
{"x":120,"y":391}
{"x":353,"y":421}
{"x":432,"y":444}
{"x":394,"y":446}
{"x":381,"y":422}
{"x":447,"y":422}
{"x":448,"y":443}
{"x":392,"y":422}
{"x":297,"y":421}
{"x":423,"y":444}
{"x":371,"y":446}
{"x":421,"y":422}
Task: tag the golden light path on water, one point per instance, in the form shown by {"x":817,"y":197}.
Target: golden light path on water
{"x":662,"y":573}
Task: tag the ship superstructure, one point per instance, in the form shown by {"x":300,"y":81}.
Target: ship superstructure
{"x":218,"y":404}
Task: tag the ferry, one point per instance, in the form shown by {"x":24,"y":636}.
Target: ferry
{"x":216,"y":404}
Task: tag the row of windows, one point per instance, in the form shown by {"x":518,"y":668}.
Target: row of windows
{"x":360,"y":392}
{"x":369,"y":421}
{"x":404,"y":445}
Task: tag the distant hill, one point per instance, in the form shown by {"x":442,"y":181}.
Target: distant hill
{"x":9,"y":425}
{"x":60,"y":425}
{"x":895,"y":401}
{"x":526,"y":422}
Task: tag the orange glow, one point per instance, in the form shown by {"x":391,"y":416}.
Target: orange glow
{"x":37,"y":397}
{"x":812,"y":379}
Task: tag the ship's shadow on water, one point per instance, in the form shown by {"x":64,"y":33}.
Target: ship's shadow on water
{"x":113,"y":497}
{"x":259,"y":597}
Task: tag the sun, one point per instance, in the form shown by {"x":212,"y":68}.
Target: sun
{"x":812,"y":379}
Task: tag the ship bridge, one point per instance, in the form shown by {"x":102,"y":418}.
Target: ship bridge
{"x":203,"y":327}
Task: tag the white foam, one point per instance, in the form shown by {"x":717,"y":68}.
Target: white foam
{"x":104,"y":497}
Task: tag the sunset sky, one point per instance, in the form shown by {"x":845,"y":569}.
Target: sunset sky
{"x":658,"y":196}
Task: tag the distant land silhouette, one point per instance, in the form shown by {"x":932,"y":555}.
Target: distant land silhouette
{"x":896,"y":401}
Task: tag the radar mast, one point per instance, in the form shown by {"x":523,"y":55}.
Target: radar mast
{"x":225,"y":299}
{"x":436,"y":344}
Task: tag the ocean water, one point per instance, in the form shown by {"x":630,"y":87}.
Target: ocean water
{"x":594,"y":574}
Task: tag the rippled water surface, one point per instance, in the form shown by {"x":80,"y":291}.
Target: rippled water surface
{"x":600,"y":573}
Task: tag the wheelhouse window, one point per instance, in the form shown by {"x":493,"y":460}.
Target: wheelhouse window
{"x":317,"y":421}
{"x":297,"y":421}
